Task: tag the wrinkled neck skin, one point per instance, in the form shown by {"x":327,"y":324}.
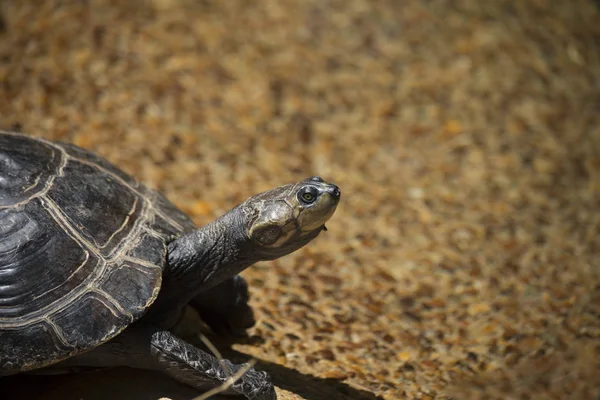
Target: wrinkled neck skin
{"x":211,"y":254}
{"x":202,"y":259}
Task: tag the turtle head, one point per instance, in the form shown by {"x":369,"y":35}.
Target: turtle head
{"x":282,"y":220}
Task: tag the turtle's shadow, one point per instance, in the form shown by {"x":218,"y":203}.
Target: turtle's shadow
{"x":308,"y":386}
{"x":131,"y":384}
{"x":110,"y":384}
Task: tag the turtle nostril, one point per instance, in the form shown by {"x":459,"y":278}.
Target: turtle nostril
{"x":317,"y":179}
{"x":335,"y":192}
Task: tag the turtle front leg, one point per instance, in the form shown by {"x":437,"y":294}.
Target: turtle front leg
{"x":224,"y":308}
{"x":148,"y":347}
{"x":186,"y":363}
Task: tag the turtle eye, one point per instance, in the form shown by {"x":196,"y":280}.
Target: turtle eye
{"x":308,"y":194}
{"x":308,"y":197}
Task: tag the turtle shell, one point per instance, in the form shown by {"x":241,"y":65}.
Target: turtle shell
{"x":82,"y":249}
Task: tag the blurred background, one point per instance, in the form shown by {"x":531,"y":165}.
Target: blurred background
{"x":463,"y":261}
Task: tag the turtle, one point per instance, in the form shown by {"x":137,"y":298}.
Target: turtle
{"x":96,"y":268}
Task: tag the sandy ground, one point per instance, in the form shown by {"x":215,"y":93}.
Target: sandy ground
{"x":465,"y":136}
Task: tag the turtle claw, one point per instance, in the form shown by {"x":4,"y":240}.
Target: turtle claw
{"x":253,"y":384}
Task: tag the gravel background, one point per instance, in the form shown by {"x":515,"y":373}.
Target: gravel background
{"x":465,"y":135}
